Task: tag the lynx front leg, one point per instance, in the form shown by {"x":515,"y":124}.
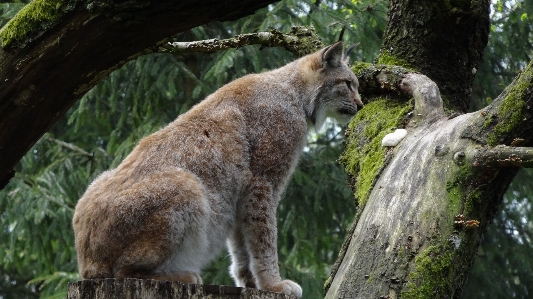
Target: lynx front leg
{"x":259,"y":231}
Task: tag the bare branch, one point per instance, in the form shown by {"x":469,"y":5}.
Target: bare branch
{"x":379,"y":78}
{"x":69,"y":146}
{"x":428,"y":103}
{"x":300,"y":41}
{"x":504,"y":156}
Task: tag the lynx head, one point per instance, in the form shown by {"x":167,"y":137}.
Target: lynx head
{"x":335,"y":86}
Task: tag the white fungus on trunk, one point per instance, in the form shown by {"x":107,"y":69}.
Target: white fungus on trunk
{"x":392,"y":139}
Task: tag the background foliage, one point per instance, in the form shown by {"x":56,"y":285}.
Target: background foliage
{"x":37,"y":255}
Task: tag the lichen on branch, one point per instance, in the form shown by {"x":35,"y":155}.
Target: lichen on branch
{"x":379,"y":78}
{"x":300,"y":41}
{"x":504,"y":156}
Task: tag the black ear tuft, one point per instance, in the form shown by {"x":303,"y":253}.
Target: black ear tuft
{"x":341,"y":35}
{"x":348,"y":51}
{"x":332,"y":55}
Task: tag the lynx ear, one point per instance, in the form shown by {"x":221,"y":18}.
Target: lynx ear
{"x":348,"y":51}
{"x":332,"y":55}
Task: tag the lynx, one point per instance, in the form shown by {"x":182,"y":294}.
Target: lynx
{"x":213,"y":176}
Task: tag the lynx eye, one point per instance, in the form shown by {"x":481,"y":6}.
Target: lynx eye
{"x":349,"y":84}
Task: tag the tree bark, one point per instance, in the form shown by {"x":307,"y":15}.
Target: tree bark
{"x":424,"y":204}
{"x":301,"y":41}
{"x":442,"y":39}
{"x":131,"y":288}
{"x":54,"y":51}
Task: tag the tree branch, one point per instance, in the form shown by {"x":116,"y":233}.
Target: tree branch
{"x":428,"y":103}
{"x":379,"y":79}
{"x":75,"y":44}
{"x":300,"y":41}
{"x":509,"y":117}
{"x":504,"y":156}
{"x":69,"y":146}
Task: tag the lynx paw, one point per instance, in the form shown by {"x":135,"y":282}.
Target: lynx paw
{"x":288,"y":287}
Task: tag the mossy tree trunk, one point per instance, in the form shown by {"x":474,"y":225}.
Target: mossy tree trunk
{"x":424,"y":204}
{"x":53,"y":51}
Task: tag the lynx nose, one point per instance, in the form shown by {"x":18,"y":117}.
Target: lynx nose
{"x":358,"y":102}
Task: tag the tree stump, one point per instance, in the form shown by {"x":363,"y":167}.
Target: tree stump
{"x":132,"y":288}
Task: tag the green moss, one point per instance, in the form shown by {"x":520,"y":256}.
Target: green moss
{"x":364,"y":155}
{"x":461,"y":195}
{"x":435,"y":270}
{"x":456,"y":189}
{"x":489,"y":121}
{"x":431,"y":276}
{"x":454,"y":201}
{"x":386,"y":58}
{"x":370,"y":277}
{"x":37,"y":15}
{"x":309,"y":42}
{"x":511,"y":112}
{"x":328,"y":282}
{"x":400,"y":252}
{"x":473,"y":197}
{"x":360,"y":67}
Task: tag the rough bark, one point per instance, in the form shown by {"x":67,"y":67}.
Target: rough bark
{"x":425,"y":203}
{"x":442,"y":39}
{"x":54,"y":51}
{"x":131,"y":288}
{"x":409,"y":239}
{"x":300,"y":41}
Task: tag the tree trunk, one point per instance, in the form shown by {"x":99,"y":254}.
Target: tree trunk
{"x":424,"y":204}
{"x":131,"y":288}
{"x":53,"y":52}
{"x":442,"y":39}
